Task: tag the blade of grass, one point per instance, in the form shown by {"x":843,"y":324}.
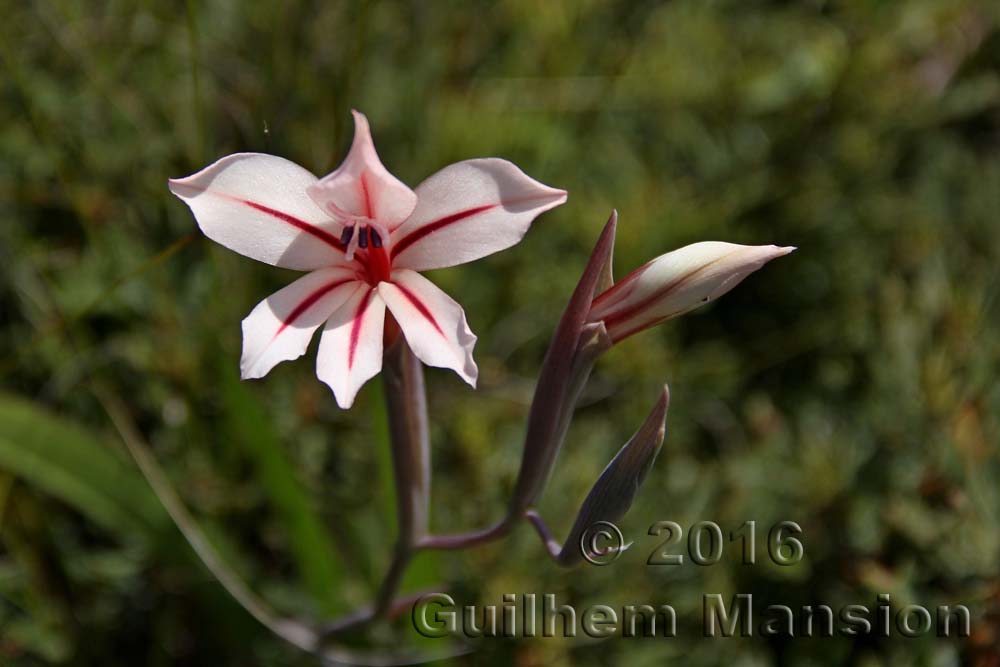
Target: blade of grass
{"x":319,"y":562}
{"x":68,"y":462}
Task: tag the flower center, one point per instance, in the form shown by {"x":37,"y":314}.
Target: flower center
{"x":365,"y":233}
{"x":366,"y":240}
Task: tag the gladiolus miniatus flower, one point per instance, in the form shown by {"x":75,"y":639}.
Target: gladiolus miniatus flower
{"x":363,"y":236}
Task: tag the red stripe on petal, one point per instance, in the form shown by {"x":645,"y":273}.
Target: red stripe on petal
{"x":420,"y":306}
{"x":439,"y":224}
{"x":618,"y":336}
{"x":309,"y":302}
{"x":321,"y":234}
{"x":356,"y":327}
{"x":615,"y":292}
{"x":636,"y":308}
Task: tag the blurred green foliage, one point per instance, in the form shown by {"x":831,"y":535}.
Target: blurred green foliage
{"x":850,"y":387}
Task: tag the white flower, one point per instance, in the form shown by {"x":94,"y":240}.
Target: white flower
{"x":362,"y":235}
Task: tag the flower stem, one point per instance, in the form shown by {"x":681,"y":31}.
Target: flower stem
{"x":551,"y":543}
{"x":575,"y":346}
{"x":550,"y":417}
{"x":406,"y":406}
{"x":470,"y":539}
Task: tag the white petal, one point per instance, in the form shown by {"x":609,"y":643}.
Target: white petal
{"x":257,"y":205}
{"x":362,"y":187}
{"x":432,"y":322}
{"x":350,"y":349}
{"x":677,"y":282}
{"x":281,"y":326}
{"x":469,"y":210}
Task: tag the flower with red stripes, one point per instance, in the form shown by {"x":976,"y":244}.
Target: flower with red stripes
{"x":675,"y":283}
{"x":363,"y":236}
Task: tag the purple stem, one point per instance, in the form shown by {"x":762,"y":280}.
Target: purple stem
{"x":406,"y":405}
{"x":470,"y":539}
{"x":551,"y":544}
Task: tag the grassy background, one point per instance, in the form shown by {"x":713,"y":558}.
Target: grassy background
{"x":850,"y":386}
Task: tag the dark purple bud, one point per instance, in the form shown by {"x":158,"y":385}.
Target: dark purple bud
{"x":376,"y":238}
{"x":616,"y":488}
{"x":363,"y":237}
{"x":345,"y":236}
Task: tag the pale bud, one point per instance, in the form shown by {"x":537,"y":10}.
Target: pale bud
{"x":674,"y":283}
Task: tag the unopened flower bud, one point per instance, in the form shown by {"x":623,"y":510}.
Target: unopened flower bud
{"x":674,"y":283}
{"x":615,"y":490}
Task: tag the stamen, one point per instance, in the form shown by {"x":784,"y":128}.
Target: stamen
{"x":376,"y":239}
{"x":363,"y":237}
{"x":345,"y":236}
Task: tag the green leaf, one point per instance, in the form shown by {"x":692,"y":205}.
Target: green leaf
{"x":319,"y":562}
{"x":72,"y":464}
